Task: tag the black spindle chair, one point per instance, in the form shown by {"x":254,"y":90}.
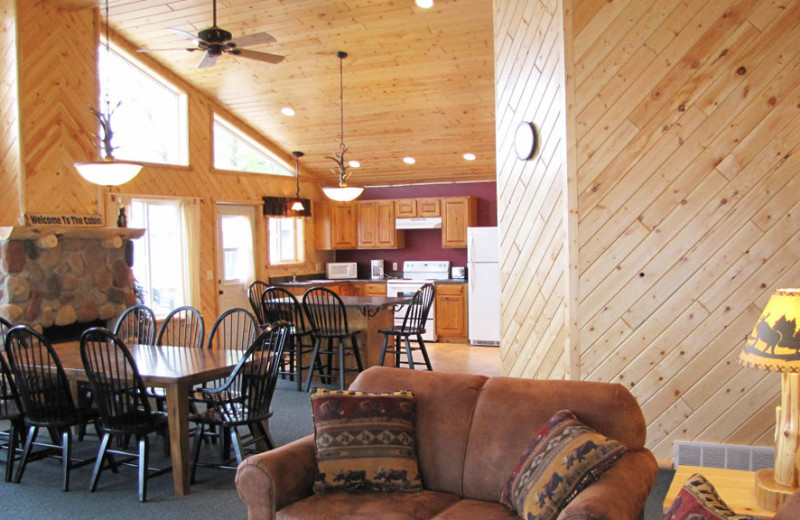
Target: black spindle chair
{"x":183,"y":327}
{"x":136,"y":326}
{"x":281,"y":305}
{"x":254,"y":293}
{"x":328,"y":318}
{"x":244,"y":399}
{"x":413,"y":325}
{"x":10,"y":407}
{"x":122,"y":401}
{"x":46,"y":398}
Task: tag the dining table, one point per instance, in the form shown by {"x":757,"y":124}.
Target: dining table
{"x":176,"y":369}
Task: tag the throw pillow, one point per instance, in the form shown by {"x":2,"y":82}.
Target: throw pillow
{"x":564,"y":457}
{"x":698,"y":500}
{"x":364,"y":441}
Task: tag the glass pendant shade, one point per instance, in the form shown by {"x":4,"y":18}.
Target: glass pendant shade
{"x":342,"y":193}
{"x":297,"y":206}
{"x":108,"y":173}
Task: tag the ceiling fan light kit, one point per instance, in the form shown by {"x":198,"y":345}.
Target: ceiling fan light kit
{"x":342,"y":192}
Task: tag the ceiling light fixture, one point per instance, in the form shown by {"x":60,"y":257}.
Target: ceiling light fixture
{"x":425,"y":4}
{"x":354,"y":164}
{"x":342,"y":192}
{"x":409,"y":160}
{"x":297,"y":205}
{"x":109,"y":172}
{"x":469,"y":156}
{"x":287,"y":111}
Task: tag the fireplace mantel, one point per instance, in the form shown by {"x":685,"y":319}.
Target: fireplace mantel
{"x":37,"y":232}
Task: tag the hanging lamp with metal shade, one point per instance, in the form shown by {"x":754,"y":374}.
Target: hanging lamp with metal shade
{"x":110,"y":171}
{"x":342,"y":192}
{"x":297,"y":205}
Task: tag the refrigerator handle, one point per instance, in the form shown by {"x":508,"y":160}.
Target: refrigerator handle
{"x":470,"y":278}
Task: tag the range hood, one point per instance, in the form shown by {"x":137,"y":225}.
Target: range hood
{"x":418,"y":223}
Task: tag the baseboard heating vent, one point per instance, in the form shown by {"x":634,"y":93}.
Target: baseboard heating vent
{"x":727,"y":456}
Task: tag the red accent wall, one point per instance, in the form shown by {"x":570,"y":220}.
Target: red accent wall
{"x":425,"y":244}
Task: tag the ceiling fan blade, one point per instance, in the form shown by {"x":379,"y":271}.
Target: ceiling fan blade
{"x":185,"y":34}
{"x":252,"y":39}
{"x":259,"y":56}
{"x":207,"y":61}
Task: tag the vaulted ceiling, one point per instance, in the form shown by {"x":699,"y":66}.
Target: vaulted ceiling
{"x":417,"y":82}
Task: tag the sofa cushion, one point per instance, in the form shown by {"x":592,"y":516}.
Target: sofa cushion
{"x":364,"y":441}
{"x":563,"y":458}
{"x":368,"y":506}
{"x":444,"y":408}
{"x":501,"y":429}
{"x":699,"y":500}
{"x":468,"y":509}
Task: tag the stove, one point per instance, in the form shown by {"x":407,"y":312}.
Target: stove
{"x":415,"y":275}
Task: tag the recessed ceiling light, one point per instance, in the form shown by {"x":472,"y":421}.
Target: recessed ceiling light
{"x":354,"y":164}
{"x":469,"y":156}
{"x":287,"y":111}
{"x":425,"y":4}
{"x":409,"y":160}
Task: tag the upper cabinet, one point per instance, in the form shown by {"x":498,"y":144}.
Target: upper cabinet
{"x":376,"y":229}
{"x":335,"y":225}
{"x":458,"y":213}
{"x":414,"y":208}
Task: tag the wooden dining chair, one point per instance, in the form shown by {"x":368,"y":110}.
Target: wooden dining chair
{"x":254,"y":293}
{"x":413,"y":325}
{"x":244,"y":398}
{"x":328,"y":318}
{"x":10,"y":407}
{"x":281,"y":305}
{"x":136,"y":326}
{"x":183,"y":327}
{"x":46,"y":398}
{"x":122,"y":401}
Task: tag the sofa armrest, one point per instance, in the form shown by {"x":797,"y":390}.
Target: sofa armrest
{"x":271,"y":480}
{"x":619,"y":494}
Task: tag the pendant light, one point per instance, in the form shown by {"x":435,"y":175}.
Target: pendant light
{"x":297,"y":205}
{"x":342,"y":192}
{"x":108,"y":172}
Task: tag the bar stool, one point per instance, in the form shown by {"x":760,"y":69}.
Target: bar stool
{"x":413,"y":324}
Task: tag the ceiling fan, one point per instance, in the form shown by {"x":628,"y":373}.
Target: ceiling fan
{"x":214,"y":41}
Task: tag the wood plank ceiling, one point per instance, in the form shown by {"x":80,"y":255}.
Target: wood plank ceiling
{"x":417,"y":82}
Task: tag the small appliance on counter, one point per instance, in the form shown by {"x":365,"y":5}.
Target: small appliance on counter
{"x":376,"y":269}
{"x":341,"y":270}
{"x":458,"y":273}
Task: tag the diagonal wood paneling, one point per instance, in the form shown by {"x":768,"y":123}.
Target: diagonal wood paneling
{"x":10,"y":168}
{"x":529,"y":61}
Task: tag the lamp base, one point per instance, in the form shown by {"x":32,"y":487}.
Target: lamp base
{"x":770,"y":494}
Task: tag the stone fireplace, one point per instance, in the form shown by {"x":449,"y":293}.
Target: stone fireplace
{"x":59,"y":277}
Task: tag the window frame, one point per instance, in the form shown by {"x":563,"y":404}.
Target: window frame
{"x":243,"y":136}
{"x":299,"y":241}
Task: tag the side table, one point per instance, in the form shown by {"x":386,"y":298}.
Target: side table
{"x":736,"y":488}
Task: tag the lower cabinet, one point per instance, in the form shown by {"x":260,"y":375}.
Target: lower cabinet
{"x":451,"y":312}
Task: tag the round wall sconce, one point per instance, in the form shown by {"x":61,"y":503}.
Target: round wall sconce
{"x":525,"y":141}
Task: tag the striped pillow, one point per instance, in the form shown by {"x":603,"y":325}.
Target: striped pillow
{"x":364,"y":441}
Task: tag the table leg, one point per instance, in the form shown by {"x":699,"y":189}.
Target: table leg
{"x":178,"y":420}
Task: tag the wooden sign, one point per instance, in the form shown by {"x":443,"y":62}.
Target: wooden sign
{"x":39,"y":219}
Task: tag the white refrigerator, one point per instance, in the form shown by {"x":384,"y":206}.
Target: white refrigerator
{"x":483,"y":274}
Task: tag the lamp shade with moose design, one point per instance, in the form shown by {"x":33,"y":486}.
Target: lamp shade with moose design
{"x":774,"y":343}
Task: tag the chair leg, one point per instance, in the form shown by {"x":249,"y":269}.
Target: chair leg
{"x":409,"y":353}
{"x":237,"y":444}
{"x":66,"y":454}
{"x":340,"y":353}
{"x":424,"y":352}
{"x":383,"y":349}
{"x":397,"y":351}
{"x":196,"y":442}
{"x":314,"y":355}
{"x":298,"y":360}
{"x":13,"y":433}
{"x":98,"y":465}
{"x":33,"y":431}
{"x":144,"y":462}
{"x":354,"y":343}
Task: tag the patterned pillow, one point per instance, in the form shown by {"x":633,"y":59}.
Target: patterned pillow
{"x":563,"y":458}
{"x":364,"y":441}
{"x":698,"y":500}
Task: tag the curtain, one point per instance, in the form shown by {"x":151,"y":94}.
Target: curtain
{"x":190,"y":217}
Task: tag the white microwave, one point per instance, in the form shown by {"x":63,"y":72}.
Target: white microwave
{"x":341,"y":270}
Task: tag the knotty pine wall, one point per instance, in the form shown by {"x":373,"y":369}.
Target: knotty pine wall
{"x":57,"y":51}
{"x":684,"y":128}
{"x":10,"y":178}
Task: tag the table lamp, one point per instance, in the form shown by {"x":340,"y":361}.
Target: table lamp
{"x":774,"y":345}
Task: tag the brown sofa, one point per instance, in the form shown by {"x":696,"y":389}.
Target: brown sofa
{"x":470,"y":433}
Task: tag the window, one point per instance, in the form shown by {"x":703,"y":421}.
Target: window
{"x":235,"y":151}
{"x":150,"y":122}
{"x":285,"y":240}
{"x":237,"y":248}
{"x":158,"y":263}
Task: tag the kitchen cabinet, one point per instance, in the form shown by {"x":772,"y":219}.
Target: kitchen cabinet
{"x":373,"y":289}
{"x":451,"y":311}
{"x":458,"y":213}
{"x":376,"y":229}
{"x":335,"y":225}
{"x":412,"y":208}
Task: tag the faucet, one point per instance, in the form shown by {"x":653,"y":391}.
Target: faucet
{"x":294,"y":275}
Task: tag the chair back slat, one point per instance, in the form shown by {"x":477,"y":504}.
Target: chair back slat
{"x":183,"y":327}
{"x":38,"y":376}
{"x":281,"y":305}
{"x":117,"y":387}
{"x":247,"y":393}
{"x":233,"y":329}
{"x":418,"y":310}
{"x":254,"y":293}
{"x":326,"y":312}
{"x":136,"y":325}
